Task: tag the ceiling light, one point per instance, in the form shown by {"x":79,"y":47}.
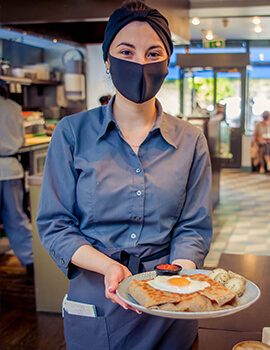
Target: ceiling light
{"x":256,"y":20}
{"x":257,"y":29}
{"x":195,"y":21}
{"x":209,"y":35}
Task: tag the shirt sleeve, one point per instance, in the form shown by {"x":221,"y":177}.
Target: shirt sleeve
{"x":57,"y":223}
{"x":193,"y":231}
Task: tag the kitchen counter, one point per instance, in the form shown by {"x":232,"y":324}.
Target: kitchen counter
{"x":34,"y":140}
{"x":34,"y":143}
{"x":51,"y":284}
{"x":33,"y":153}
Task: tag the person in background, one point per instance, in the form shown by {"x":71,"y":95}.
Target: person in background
{"x":15,"y":220}
{"x":104,"y":100}
{"x":262,"y":137}
{"x":136,"y":193}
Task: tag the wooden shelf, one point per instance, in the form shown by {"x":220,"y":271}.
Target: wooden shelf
{"x":11,"y":79}
{"x":27,"y":81}
{"x":45,"y":82}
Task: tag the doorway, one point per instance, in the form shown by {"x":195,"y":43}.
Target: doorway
{"x":205,"y":85}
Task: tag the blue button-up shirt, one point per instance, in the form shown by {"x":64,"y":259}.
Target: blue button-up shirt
{"x":97,"y":191}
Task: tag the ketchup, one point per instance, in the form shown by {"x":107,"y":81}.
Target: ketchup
{"x":167,"y":267}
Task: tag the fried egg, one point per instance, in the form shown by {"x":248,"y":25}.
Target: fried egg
{"x":177,"y":284}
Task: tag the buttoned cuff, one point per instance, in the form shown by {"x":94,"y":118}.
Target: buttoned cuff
{"x":62,"y":256}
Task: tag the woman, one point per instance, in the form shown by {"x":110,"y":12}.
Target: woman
{"x":262,"y":137}
{"x":128,"y":188}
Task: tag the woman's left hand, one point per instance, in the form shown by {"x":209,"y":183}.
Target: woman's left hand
{"x":113,"y":276}
{"x":186,"y":264}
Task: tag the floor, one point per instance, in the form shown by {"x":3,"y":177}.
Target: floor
{"x":21,"y":327}
{"x":241,"y":222}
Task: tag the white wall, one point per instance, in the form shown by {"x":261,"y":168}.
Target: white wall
{"x":246,"y":151}
{"x":98,"y":82}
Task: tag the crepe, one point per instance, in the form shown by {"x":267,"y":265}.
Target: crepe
{"x":215,"y":297}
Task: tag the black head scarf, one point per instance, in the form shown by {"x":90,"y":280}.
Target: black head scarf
{"x":121,"y":17}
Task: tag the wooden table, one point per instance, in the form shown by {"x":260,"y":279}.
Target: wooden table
{"x":224,"y":332}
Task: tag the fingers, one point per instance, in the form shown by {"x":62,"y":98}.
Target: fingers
{"x":115,"y":275}
{"x":115,"y":299}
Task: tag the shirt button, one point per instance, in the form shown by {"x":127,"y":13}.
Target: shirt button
{"x":139,"y":193}
{"x":62,"y":261}
{"x":53,"y":253}
{"x":138,"y":170}
{"x":137,"y":218}
{"x":133,"y":235}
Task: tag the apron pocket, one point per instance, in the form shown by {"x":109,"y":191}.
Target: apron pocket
{"x":83,"y":332}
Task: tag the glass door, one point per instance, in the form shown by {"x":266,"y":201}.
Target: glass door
{"x":197,"y":92}
{"x":230,"y":91}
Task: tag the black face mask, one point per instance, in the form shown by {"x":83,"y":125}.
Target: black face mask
{"x":137,"y":82}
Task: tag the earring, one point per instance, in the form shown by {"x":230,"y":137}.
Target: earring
{"x":107,"y":71}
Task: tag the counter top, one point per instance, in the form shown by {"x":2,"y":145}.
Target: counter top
{"x":35,"y":180}
{"x":33,"y":143}
{"x":36,"y":140}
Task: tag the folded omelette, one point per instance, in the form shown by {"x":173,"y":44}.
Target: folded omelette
{"x":212,"y":298}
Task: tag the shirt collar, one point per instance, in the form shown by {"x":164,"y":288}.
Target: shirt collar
{"x":162,"y":123}
{"x":108,"y":118}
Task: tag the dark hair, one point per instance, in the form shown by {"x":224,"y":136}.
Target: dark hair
{"x":105,"y":99}
{"x":137,"y":11}
{"x":266,"y":115}
{"x":133,"y":5}
{"x":4,"y":91}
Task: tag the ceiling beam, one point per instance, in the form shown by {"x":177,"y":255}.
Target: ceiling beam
{"x":84,"y":21}
{"x":44,"y":11}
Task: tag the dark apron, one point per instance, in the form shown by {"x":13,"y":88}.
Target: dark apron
{"x":25,"y":204}
{"x":116,"y":328}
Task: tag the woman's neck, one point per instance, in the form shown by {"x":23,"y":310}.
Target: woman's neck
{"x":132,"y":116}
{"x":134,"y":120}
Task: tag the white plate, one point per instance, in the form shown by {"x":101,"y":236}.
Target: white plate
{"x":252,"y":293}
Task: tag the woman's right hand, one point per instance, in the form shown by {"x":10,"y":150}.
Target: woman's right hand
{"x":91,"y":259}
{"x":116,"y":273}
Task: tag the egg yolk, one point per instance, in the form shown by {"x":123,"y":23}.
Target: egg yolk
{"x":179,"y":282}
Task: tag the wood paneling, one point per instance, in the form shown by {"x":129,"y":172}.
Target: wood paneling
{"x":224,"y":332}
{"x":76,"y":32}
{"x":27,"y":11}
{"x":82,"y":21}
{"x":254,"y":318}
